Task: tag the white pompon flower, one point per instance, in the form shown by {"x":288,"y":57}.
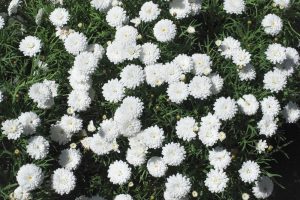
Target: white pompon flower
{"x":272,"y":24}
{"x":180,"y":8}
{"x":263,"y":187}
{"x":234,"y":6}
{"x":291,"y":112}
{"x":69,"y":158}
{"x":177,"y":92}
{"x":2,"y":22}
{"x":101,"y":5}
{"x":119,"y":172}
{"x":200,"y":87}
{"x":249,"y":171}
{"x":208,"y":136}
{"x":79,"y":100}
{"x":202,"y":64}
{"x":164,"y":30}
{"x":132,"y":76}
{"x":30,"y":46}
{"x":241,"y":57}
{"x":248,"y":104}
{"x":116,"y":16}
{"x":185,"y":62}
{"x":225,"y":108}
{"x":123,"y":197}
{"x":150,"y":53}
{"x":177,"y":186}
{"x":261,"y":146}
{"x":59,"y":17}
{"x":274,"y":81}
{"x":136,"y":155}
{"x":270,"y":106}
{"x":228,"y":46}
{"x":113,"y":91}
{"x":216,"y":181}
{"x":149,"y":12}
{"x":21,"y":194}
{"x":99,"y":145}
{"x":153,"y":137}
{"x":12,"y":128}
{"x":282,"y":3}
{"x":154,"y":74}
{"x":217,"y":83}
{"x":173,"y":154}
{"x":247,"y":73}
{"x":108,"y":130}
{"x":58,"y":135}
{"x":70,"y":124}
{"x":63,"y":181}
{"x":38,"y":147}
{"x":30,"y":122}
{"x":267,"y":126}
{"x":186,"y":128}
{"x":219,"y":158}
{"x":275,"y":53}
{"x":30,"y":177}
{"x":156,"y":166}
{"x":75,"y":43}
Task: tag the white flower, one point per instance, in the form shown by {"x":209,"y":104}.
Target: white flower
{"x":185,"y":62}
{"x":63,"y":181}
{"x":119,"y":172}
{"x":173,"y":154}
{"x":217,"y":83}
{"x":13,"y":7}
{"x":272,"y":24}
{"x":30,"y":177}
{"x":2,"y":22}
{"x":132,"y":76}
{"x":234,"y":6}
{"x":177,"y":92}
{"x":69,"y":158}
{"x":59,"y":17}
{"x":128,"y":127}
{"x":153,"y":137}
{"x":136,"y":155}
{"x":276,"y":53}
{"x":99,"y":145}
{"x":108,"y":130}
{"x":191,"y":30}
{"x":75,"y":43}
{"x":202,"y":64}
{"x":241,"y":57}
{"x":275,"y":81}
{"x":58,"y":135}
{"x":291,"y":112}
{"x":85,"y":62}
{"x":270,"y":106}
{"x":113,"y":91}
{"x":30,"y":46}
{"x":38,"y":147}
{"x":248,"y":104}
{"x":172,"y":72}
{"x":186,"y":128}
{"x":247,"y":73}
{"x":282,"y":3}
{"x":12,"y":128}
{"x":216,"y":181}
{"x":180,"y":8}
{"x":261,"y":146}
{"x":149,"y":12}
{"x":131,"y":106}
{"x":164,"y":30}
{"x":228,"y":46}
{"x":245,"y":196}
{"x":79,"y":100}
{"x":101,"y":5}
{"x":225,"y":108}
{"x":126,"y":34}
{"x":263,"y":187}
{"x":177,"y":186}
{"x":267,"y":126}
{"x":154,"y":75}
{"x":211,"y":122}
{"x":70,"y":124}
{"x":123,"y":197}
{"x":249,"y":171}
{"x":195,"y":6}
{"x":150,"y":53}
{"x":200,"y":87}
{"x":30,"y":122}
{"x":219,"y":158}
{"x":208,"y":136}
{"x":97,"y":50}
{"x":116,"y":16}
{"x":156,"y":166}
{"x":21,"y":194}
{"x":136,"y":21}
